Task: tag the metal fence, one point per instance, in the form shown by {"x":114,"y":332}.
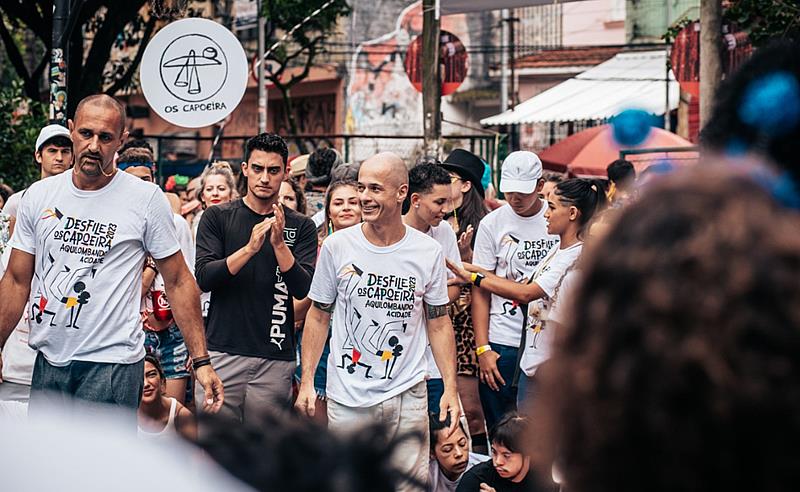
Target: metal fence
{"x":194,"y":157}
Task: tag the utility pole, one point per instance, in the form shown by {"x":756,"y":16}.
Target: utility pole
{"x":58,"y":63}
{"x":504,"y":43}
{"x":710,"y":55}
{"x":512,"y":55}
{"x":667,"y":116}
{"x":262,"y":76}
{"x":431,"y":79}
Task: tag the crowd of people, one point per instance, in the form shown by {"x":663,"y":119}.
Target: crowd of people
{"x":313,"y":324}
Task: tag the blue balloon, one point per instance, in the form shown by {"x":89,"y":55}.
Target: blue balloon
{"x":771,"y":104}
{"x":631,"y":127}
{"x":487,"y":176}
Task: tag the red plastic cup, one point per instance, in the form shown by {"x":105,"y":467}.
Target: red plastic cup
{"x":161,"y":308}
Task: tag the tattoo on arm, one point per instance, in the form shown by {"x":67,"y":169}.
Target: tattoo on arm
{"x":328,"y":308}
{"x":435,"y":311}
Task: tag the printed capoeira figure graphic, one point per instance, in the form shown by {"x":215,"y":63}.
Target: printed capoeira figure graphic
{"x":68,"y":286}
{"x":511,"y":244}
{"x":353,"y":349}
{"x":368,"y":338}
{"x":390,"y":356}
{"x":386,"y":344}
{"x":510,"y":307}
{"x":71,"y":302}
{"x":39,"y":309}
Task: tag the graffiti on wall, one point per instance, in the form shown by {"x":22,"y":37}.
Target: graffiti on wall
{"x":380,"y":98}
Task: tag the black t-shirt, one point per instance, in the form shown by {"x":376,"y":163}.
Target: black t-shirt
{"x":251,"y":313}
{"x":485,"y":473}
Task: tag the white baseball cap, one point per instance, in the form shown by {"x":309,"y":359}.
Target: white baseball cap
{"x":520,"y":173}
{"x":51,"y":131}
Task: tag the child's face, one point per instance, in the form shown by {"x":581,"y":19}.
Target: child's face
{"x":507,"y":463}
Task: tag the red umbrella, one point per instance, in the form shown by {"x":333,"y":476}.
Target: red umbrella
{"x":588,"y":152}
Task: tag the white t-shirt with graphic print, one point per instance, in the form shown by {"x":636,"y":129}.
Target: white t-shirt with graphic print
{"x":18,"y":358}
{"x":89,"y":249}
{"x":446,"y":237}
{"x":379,"y":328}
{"x":511,"y":246}
{"x":549,"y":276}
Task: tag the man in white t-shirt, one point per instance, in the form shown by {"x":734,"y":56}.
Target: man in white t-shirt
{"x":387,"y":284}
{"x":511,"y":241}
{"x":428,"y":202}
{"x":53,"y":155}
{"x":84,"y":248}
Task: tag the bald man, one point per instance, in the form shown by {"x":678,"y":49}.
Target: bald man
{"x":84,"y":235}
{"x":385,"y":288}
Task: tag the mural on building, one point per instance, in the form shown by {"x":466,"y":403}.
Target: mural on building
{"x":380,"y":98}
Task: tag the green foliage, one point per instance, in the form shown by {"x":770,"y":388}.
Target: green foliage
{"x":676,"y":28}
{"x":765,"y":20}
{"x":21,"y":119}
{"x":285,"y":14}
{"x":305,"y":43}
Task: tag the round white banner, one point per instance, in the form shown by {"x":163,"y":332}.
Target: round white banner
{"x":194,"y":73}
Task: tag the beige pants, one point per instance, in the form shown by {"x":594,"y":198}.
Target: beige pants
{"x":403,"y":414}
{"x":252,"y":385}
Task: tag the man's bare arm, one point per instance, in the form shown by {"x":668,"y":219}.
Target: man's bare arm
{"x":15,"y":287}
{"x":315,"y":334}
{"x":443,"y":342}
{"x":443,"y":345}
{"x":184,"y":298}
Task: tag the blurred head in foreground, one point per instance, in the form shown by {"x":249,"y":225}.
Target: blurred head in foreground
{"x":287,"y":453}
{"x":680,"y":370}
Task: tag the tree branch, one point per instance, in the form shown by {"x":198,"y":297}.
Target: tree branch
{"x":27,"y":13}
{"x":288,"y":58}
{"x":312,"y":51}
{"x":115,"y":21}
{"x":123,"y":81}
{"x":15,"y":57}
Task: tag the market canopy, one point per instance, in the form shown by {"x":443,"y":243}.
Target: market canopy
{"x":448,"y":7}
{"x":589,"y":152}
{"x":629,"y":80}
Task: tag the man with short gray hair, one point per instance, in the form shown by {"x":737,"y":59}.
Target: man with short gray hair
{"x":84,"y":249}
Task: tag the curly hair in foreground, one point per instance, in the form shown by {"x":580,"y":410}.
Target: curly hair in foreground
{"x":680,"y":370}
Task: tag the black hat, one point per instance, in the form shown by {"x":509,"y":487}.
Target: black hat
{"x":467,"y":165}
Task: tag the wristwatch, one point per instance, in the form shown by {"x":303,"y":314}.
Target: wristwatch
{"x":477,"y":278}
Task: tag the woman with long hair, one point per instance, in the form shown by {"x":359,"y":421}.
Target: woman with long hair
{"x":291,"y":195}
{"x":160,"y":416}
{"x":342,"y":207}
{"x":570,"y":209}
{"x":466,"y":194}
{"x":217,"y":186}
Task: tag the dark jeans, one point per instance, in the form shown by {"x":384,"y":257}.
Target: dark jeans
{"x":116,"y":385}
{"x":435,"y":392}
{"x":527,"y":391}
{"x":496,"y":404}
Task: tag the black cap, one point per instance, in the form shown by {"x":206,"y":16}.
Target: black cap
{"x":467,"y":165}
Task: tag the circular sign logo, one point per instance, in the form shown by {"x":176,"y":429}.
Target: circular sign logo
{"x":193,"y":68}
{"x":194,"y":73}
{"x":452,"y":58}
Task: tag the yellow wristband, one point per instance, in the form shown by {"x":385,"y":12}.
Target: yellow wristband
{"x":472,"y":278}
{"x":482,"y":349}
